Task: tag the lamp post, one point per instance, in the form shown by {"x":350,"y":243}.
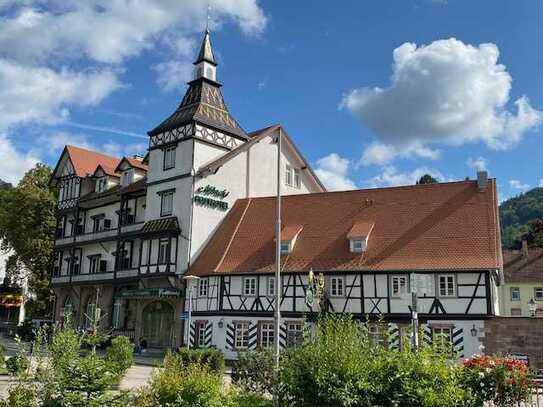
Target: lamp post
{"x":189,"y":280}
{"x":532,"y":307}
{"x":277,"y":316}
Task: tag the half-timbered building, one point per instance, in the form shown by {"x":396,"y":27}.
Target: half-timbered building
{"x":368,"y":249}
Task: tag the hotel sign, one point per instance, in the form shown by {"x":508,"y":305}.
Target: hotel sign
{"x":211,"y":197}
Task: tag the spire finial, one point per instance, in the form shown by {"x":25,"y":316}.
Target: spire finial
{"x":208,"y":16}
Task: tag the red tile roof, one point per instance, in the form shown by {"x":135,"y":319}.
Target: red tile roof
{"x":85,"y":161}
{"x":447,"y":226}
{"x":518,"y":268}
{"x":133,"y":162}
{"x":289,"y":232}
{"x":360,"y":229}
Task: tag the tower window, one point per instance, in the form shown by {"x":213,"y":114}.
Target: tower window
{"x":169,"y":158}
{"x":166,"y":203}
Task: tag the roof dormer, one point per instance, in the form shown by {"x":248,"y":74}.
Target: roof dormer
{"x":131,"y":169}
{"x":104,"y":179}
{"x":289,"y":234}
{"x":359,"y":236}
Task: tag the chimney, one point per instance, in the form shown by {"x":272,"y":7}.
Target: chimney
{"x":524,"y":249}
{"x":482,"y":180}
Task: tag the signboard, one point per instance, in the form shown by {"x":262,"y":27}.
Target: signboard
{"x":148,"y":292}
{"x":211,"y":197}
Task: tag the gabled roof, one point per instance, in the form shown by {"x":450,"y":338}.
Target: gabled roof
{"x":85,"y":161}
{"x":106,"y":172}
{"x":133,"y":162}
{"x":519,"y":268}
{"x":431,"y":227}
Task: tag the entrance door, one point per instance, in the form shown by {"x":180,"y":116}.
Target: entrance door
{"x":158,"y":324}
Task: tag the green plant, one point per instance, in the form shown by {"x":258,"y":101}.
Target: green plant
{"x":120,"y":354}
{"x":212,"y":358}
{"x":2,"y":355}
{"x":17,"y":364}
{"x":255,"y":371}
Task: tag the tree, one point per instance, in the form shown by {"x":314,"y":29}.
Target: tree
{"x":27,"y":224}
{"x":427,"y":179}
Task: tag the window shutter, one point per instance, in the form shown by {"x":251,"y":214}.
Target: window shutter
{"x":103,"y":265}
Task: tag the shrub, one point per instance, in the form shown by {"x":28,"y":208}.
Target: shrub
{"x":241,"y":398}
{"x":255,"y":372}
{"x":17,"y":364}
{"x":2,"y":355}
{"x":120,"y":354}
{"x":212,"y":358}
{"x":501,"y":381}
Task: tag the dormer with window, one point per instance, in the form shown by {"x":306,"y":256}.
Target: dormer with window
{"x":104,"y":179}
{"x":132,"y":169}
{"x":289,"y":234}
{"x":358,"y":236}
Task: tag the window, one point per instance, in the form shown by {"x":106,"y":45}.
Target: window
{"x":97,"y":223}
{"x":399,"y":286}
{"x":295,"y":334}
{"x":94,"y":264}
{"x":297,"y":179}
{"x":358,"y":245}
{"x":516,"y":312}
{"x":266,"y":335}
{"x":92,"y":314}
{"x":127,"y":177}
{"x":101,"y":184}
{"x":200,"y":334}
{"x":241,"y":338}
{"x":285,"y":247}
{"x":116,"y":318}
{"x":376,"y":334}
{"x":75,"y":265}
{"x":202,"y":287}
{"x":446,"y":286}
{"x":515,"y":293}
{"x":169,"y":158}
{"x":249,"y":286}
{"x":442,"y":337}
{"x":164,"y":251}
{"x":166,"y":203}
{"x":270,"y":286}
{"x":336,"y":287}
{"x":288,"y":175}
{"x":538,"y":293}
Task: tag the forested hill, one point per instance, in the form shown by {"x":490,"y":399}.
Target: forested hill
{"x":516,"y":213}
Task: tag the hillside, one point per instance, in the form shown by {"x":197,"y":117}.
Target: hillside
{"x":517,"y":212}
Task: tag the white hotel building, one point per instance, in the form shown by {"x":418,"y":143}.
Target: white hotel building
{"x":198,"y":203}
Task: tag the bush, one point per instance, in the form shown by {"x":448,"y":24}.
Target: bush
{"x":120,"y":354}
{"x":2,"y":355}
{"x":255,"y":372}
{"x":504,"y":382}
{"x":212,"y":358}
{"x":17,"y":364}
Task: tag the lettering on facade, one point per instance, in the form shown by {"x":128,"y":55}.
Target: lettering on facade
{"x":211,"y":197}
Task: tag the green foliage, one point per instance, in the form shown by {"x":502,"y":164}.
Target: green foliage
{"x":340,"y":366}
{"x":120,"y":354}
{"x":2,"y":355}
{"x":255,"y":372}
{"x":17,"y":364}
{"x":427,"y":179}
{"x":30,"y":234}
{"x":212,"y":358}
{"x":517,"y":213}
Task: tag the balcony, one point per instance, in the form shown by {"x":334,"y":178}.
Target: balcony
{"x":132,"y":227}
{"x":101,"y":234}
{"x":107,"y":275}
{"x":126,"y":273}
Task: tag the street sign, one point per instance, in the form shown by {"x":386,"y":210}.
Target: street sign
{"x":184,"y":316}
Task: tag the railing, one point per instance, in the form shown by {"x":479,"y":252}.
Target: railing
{"x":96,"y":235}
{"x":129,"y":333}
{"x":108,"y":275}
{"x":132,"y":272}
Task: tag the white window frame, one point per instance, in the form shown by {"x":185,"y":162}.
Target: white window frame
{"x":116,"y":317}
{"x":285,"y":247}
{"x":101,"y":184}
{"x":266,"y":334}
{"x":200,"y":333}
{"x":514,"y":293}
{"x":270,"y":286}
{"x":399,"y":289}
{"x":127,"y":177}
{"x":169,"y":158}
{"x":203,"y":285}
{"x":376,"y":334}
{"x":289,"y":175}
{"x":440,"y":333}
{"x":538,"y":293}
{"x":166,"y":203}
{"x":164,"y":244}
{"x":241,"y":335}
{"x":295,"y":333}
{"x":358,"y":245}
{"x":94,"y":260}
{"x":337,"y":286}
{"x":297,"y":180}
{"x":248,"y":290}
{"x":450,"y":288}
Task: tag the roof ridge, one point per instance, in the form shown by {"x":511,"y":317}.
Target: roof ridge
{"x":69,"y":146}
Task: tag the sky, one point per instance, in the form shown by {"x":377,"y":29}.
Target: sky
{"x":374,"y":93}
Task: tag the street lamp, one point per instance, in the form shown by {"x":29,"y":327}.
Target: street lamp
{"x":189,"y":280}
{"x":532,"y":307}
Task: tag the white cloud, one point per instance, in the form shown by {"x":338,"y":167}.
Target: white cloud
{"x":391,"y":177}
{"x":173,"y":74}
{"x":516,"y":184}
{"x":333,"y":171}
{"x":479,"y":163}
{"x":378,"y":153}
{"x":447,"y":92}
{"x":14,"y":163}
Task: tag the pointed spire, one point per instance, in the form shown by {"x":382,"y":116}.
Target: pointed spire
{"x":206,"y":51}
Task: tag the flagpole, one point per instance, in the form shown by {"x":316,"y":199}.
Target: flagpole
{"x":278,"y":260}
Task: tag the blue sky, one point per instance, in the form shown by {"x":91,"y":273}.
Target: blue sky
{"x":374,"y":93}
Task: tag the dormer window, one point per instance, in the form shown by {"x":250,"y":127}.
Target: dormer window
{"x":127,"y":177}
{"x":289,"y":234}
{"x":285,"y":247}
{"x":101,"y":184}
{"x":358,"y":236}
